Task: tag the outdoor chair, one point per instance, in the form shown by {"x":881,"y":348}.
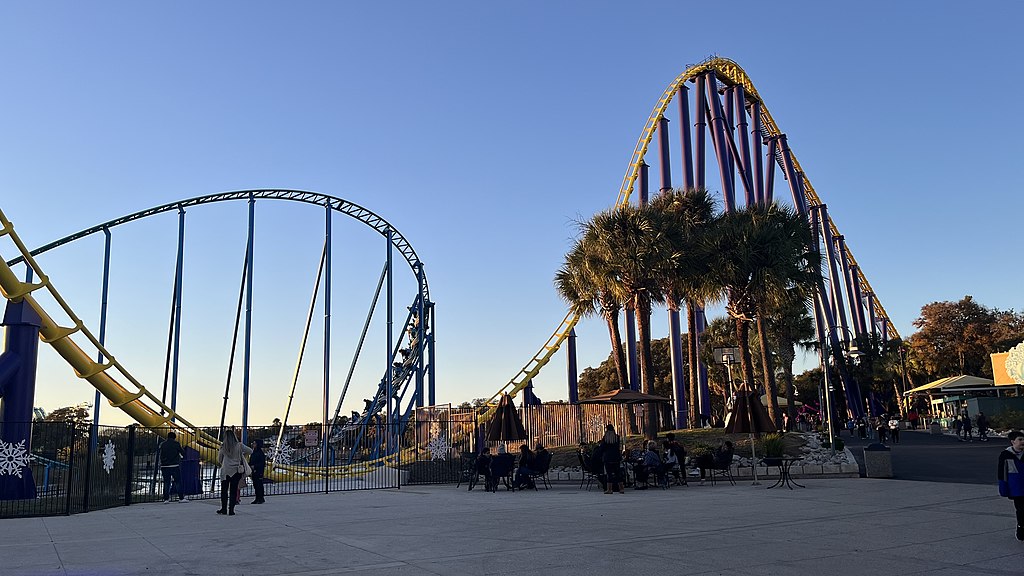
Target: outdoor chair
{"x":721,"y":470}
{"x":541,"y":473}
{"x":467,"y":470}
{"x":588,"y":475}
{"x":503,"y":466}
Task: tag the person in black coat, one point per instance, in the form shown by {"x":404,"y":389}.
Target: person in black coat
{"x":611,"y":453}
{"x":258,"y":463}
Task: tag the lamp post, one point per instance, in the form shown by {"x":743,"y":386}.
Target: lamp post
{"x":727,"y":356}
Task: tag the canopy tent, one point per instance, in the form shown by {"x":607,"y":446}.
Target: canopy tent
{"x":954,"y":384}
{"x":781,"y":401}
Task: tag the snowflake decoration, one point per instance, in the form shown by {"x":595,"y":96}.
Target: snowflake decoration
{"x":596,"y":425}
{"x":109,"y":456}
{"x":1015,"y":363}
{"x":281,"y":454}
{"x":13,"y":458}
{"x":438,"y":448}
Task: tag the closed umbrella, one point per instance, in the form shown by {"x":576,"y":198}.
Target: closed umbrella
{"x":505,"y":425}
{"x":748,"y":416}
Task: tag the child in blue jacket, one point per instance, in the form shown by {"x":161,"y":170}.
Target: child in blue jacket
{"x":1011,"y":476}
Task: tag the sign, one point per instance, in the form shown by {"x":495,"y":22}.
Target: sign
{"x":312,"y":437}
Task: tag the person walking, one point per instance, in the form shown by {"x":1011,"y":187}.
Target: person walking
{"x":894,"y":428}
{"x":611,"y":453}
{"x":982,"y":422}
{"x":1011,"y":477}
{"x":233,"y":467}
{"x":171,"y":454}
{"x":258,"y":463}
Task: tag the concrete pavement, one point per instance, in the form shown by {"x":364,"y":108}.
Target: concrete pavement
{"x":834,"y":526}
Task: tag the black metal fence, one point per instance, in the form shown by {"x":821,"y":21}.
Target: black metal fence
{"x":80,"y":468}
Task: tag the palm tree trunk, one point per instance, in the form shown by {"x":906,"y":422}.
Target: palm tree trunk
{"x":643,"y":327}
{"x":618,"y":352}
{"x":772,"y":389}
{"x":691,"y":344}
{"x":746,"y":362}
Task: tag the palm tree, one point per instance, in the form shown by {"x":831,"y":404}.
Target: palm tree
{"x":581,"y":284}
{"x":761,"y":254}
{"x":686,"y":214}
{"x":634,"y":254}
{"x":790,"y":325}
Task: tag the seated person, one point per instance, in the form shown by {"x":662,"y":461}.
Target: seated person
{"x":650,"y":463}
{"x":541,"y":459}
{"x":483,"y":467}
{"x":525,"y":469}
{"x":675,"y":456}
{"x":718,"y":459}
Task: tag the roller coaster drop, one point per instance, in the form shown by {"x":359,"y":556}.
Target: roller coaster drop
{"x":726,"y":105}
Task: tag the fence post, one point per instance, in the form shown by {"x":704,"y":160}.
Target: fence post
{"x":129,"y":476}
{"x":87,"y":484}
{"x":71,"y":471}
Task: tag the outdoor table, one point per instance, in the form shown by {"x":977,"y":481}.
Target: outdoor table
{"x":784,"y":464}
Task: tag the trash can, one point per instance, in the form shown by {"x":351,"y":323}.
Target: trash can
{"x":877,"y":461}
{"x":936,"y":427}
{"x":190,"y":482}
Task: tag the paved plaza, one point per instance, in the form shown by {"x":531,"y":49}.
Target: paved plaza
{"x":856,"y":526}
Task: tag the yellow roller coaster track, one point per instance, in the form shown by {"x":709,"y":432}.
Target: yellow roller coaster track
{"x":730,"y":74}
{"x":141,"y":405}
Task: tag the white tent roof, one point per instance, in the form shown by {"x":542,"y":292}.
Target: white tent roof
{"x":953,"y":384}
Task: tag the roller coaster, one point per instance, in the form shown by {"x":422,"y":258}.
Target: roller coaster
{"x":722,"y":103}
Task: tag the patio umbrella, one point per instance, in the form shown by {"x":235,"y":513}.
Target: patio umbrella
{"x":505,"y":425}
{"x":748,"y":416}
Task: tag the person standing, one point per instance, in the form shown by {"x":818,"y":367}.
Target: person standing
{"x":233,"y":467}
{"x":968,"y":436}
{"x":611,"y":453}
{"x":1011,"y":477}
{"x":171,"y":454}
{"x":258,"y":463}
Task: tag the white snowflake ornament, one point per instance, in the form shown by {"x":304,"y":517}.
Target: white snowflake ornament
{"x":1015,"y":363}
{"x":438,"y":448}
{"x":281,"y":455}
{"x":109,"y":456}
{"x":13,"y":458}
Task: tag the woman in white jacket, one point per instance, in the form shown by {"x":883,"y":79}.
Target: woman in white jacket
{"x":233,"y":466}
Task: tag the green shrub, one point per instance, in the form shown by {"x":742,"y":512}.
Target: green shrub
{"x":1009,"y":420}
{"x":772,"y":445}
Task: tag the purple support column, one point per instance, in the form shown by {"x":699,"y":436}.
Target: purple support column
{"x":793,"y":178}
{"x":730,"y":127}
{"x":678,"y":377}
{"x":718,"y":139}
{"x":570,"y":350}
{"x":631,"y":356}
{"x":18,"y":389}
{"x":850,"y":388}
{"x":684,"y":136}
{"x":858,"y":299}
{"x":663,"y":154}
{"x":702,"y":373}
{"x":839,"y":309}
{"x":769,"y":167}
{"x":699,"y":134}
{"x":858,"y":327}
{"x":644,"y":183}
{"x":741,"y":132}
{"x":872,"y":322}
{"x":755,"y":139}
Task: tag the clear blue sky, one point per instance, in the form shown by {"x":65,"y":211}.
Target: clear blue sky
{"x":481,"y":131}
